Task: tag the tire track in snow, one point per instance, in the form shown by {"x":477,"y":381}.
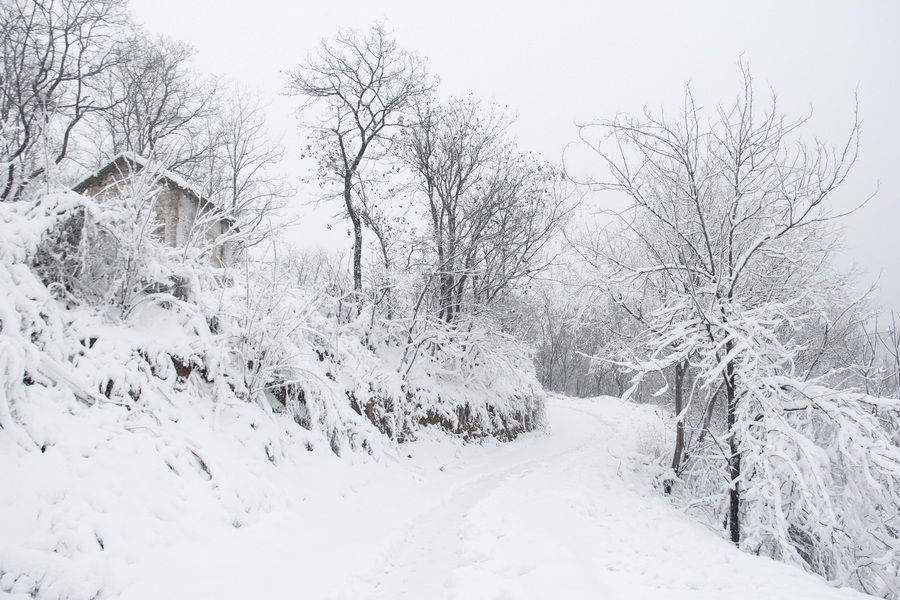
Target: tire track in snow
{"x":426,"y":560}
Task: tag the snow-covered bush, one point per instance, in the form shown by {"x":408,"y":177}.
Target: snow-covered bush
{"x":820,"y":466}
{"x":256,"y":337}
{"x":403,"y":374}
{"x":251,"y":334}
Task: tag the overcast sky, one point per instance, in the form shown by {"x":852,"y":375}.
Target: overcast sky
{"x":555,"y":63}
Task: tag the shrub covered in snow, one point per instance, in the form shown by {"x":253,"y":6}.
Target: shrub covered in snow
{"x":820,"y":465}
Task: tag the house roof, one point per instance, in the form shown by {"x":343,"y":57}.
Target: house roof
{"x":137,"y":162}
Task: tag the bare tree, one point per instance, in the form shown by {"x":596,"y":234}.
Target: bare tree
{"x":158,"y":106}
{"x":891,"y":342}
{"x":874,"y":356}
{"x":367,"y":86}
{"x":53,"y":54}
{"x":491,"y":208}
{"x":236,"y":170}
{"x":569,"y":323}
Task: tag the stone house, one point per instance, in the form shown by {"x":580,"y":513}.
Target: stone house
{"x":182,"y":214}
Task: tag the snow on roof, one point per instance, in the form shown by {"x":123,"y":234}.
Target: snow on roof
{"x":170,"y":177}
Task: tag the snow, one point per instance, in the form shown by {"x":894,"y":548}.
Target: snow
{"x":567,"y":513}
{"x":121,"y":478}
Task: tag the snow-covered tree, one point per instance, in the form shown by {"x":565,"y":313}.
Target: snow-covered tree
{"x":567,"y":322}
{"x":722,"y":258}
{"x":53,"y":56}
{"x":490,"y":208}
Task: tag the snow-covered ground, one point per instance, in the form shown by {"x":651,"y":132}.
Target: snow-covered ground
{"x":558,"y":514}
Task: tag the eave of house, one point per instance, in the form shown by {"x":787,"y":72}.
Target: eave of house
{"x":169,"y":178}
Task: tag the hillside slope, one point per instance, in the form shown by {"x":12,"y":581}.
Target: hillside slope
{"x":147,"y":398}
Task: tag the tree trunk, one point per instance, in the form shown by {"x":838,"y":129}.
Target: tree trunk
{"x":678,"y":456}
{"x":446,"y":312}
{"x":734,"y":459}
{"x":357,"y":235}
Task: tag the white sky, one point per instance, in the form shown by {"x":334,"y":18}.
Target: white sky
{"x":557,"y":62}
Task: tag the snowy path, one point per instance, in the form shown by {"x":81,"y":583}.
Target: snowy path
{"x":557,"y":520}
{"x":472,"y":543}
{"x":440,"y":548}
{"x":553,"y":515}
